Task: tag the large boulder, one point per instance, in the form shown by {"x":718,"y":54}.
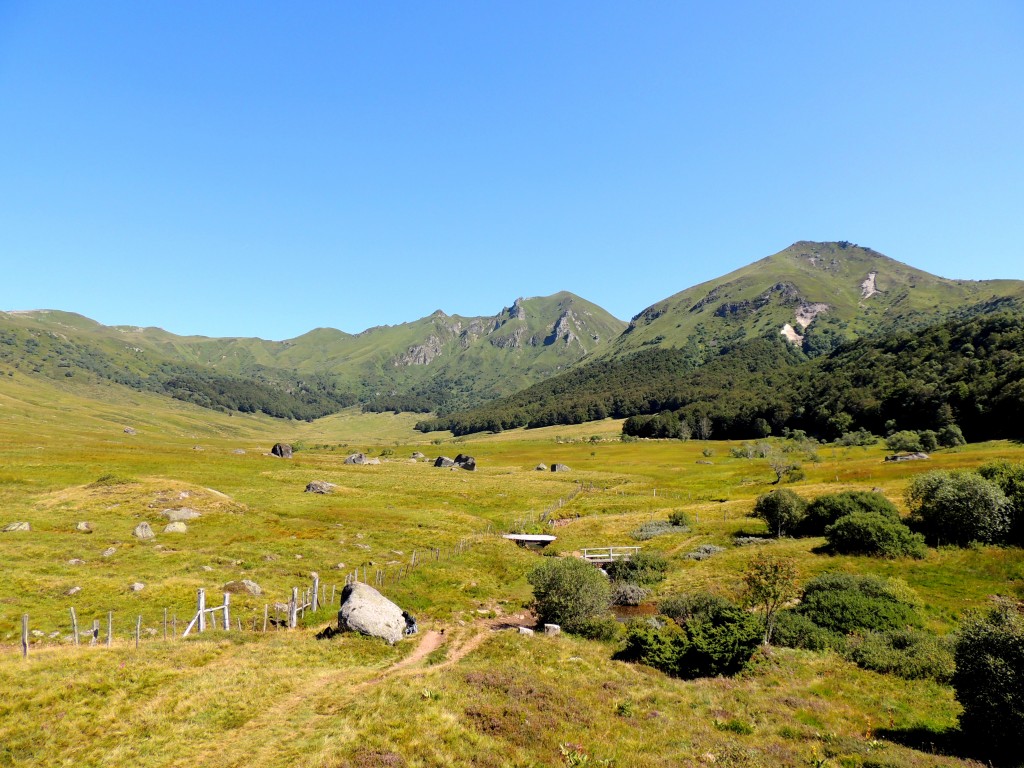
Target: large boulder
{"x":365,"y":610}
{"x":281,"y":450}
{"x":21,"y":526}
{"x":320,"y":486}
{"x":361,"y":458}
{"x":243,"y":587}
{"x":466,"y":462}
{"x":178,"y":527}
{"x":443,"y":461}
{"x":143,"y":531}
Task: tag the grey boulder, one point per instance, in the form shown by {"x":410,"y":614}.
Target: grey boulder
{"x":443,"y":461}
{"x":320,"y":486}
{"x":365,"y":610}
{"x":143,"y":531}
{"x":560,"y":468}
{"x":10,"y":527}
{"x":180,"y":515}
{"x":281,"y":450}
{"x":178,"y":527}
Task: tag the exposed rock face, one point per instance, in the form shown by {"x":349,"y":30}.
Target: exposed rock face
{"x":84,"y":527}
{"x":243,"y":587}
{"x":21,"y":526}
{"x":564,"y":329}
{"x":143,"y":531}
{"x":791,"y":335}
{"x":806,"y":313}
{"x":180,"y":515}
{"x":365,"y":610}
{"x":869,"y":287}
{"x":422,"y":354}
{"x":465,"y":462}
{"x":320,"y":486}
{"x":178,"y":527}
{"x":560,"y":468}
{"x":443,"y":461}
{"x":282,"y":450}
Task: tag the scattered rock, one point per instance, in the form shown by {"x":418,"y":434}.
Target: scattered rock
{"x":178,"y":527}
{"x":84,"y":527}
{"x":239,"y":451}
{"x":180,"y":515}
{"x":109,"y":551}
{"x":270,"y":558}
{"x":198,"y":448}
{"x":130,"y":431}
{"x":908,"y":457}
{"x":72,"y":591}
{"x":443,"y":461}
{"x":207,"y":567}
{"x":338,"y":567}
{"x":541,"y":468}
{"x":705,"y":461}
{"x":365,"y":610}
{"x":356,"y":458}
{"x":417,"y":455}
{"x":363,"y":547}
{"x":76,"y":561}
{"x":560,"y":468}
{"x":525,"y":631}
{"x":11,"y":527}
{"x":552,"y":629}
{"x":143,"y":531}
{"x":38,"y":633}
{"x":150,"y":631}
{"x":245,"y":586}
{"x":184,"y":495}
{"x":465,"y":462}
{"x":138,"y":586}
{"x":320,"y":486}
{"x":748,"y":541}
{"x":281,"y":450}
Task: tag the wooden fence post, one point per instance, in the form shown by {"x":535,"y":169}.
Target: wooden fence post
{"x":333,"y":587}
{"x":266,"y":615}
{"x":138,"y":631}
{"x":95,"y":632}
{"x":293,"y":609}
{"x":201,"y":597}
{"x":316,"y":593}
{"x":110,"y":628}
{"x":74,"y":624}
{"x":227,"y":617}
{"x":174,"y":625}
{"x":24,"y":635}
{"x":165,"y":623}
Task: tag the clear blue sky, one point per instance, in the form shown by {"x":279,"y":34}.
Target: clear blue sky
{"x":244,"y":168}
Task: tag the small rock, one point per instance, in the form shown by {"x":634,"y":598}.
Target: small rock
{"x":417,"y":455}
{"x":84,"y":527}
{"x":130,"y":431}
{"x":560,"y":468}
{"x":704,"y":461}
{"x":207,"y":567}
{"x":184,"y":495}
{"x":178,"y":527}
{"x":314,"y":575}
{"x":76,"y":561}
{"x":298,"y":557}
{"x":239,"y":451}
{"x":320,"y":486}
{"x":109,"y":551}
{"x":281,"y":450}
{"x":137,"y":586}
{"x":143,"y":531}
{"x":338,"y":567}
{"x":73,"y":591}
{"x":245,"y":586}
{"x":270,"y":558}
{"x":150,"y":631}
{"x":541,"y":468}
{"x":525,"y":631}
{"x":37,"y":633}
{"x":198,"y":448}
{"x":552,"y":629}
{"x":11,"y":527}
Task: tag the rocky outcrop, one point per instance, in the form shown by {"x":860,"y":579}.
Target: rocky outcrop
{"x":564,"y":329}
{"x":367,"y":611}
{"x":281,"y":450}
{"x":320,"y":486}
{"x":421,"y":354}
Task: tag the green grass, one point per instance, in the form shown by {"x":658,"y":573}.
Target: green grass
{"x":285,"y":698}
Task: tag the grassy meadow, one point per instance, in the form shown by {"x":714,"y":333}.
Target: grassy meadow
{"x":465,"y":691}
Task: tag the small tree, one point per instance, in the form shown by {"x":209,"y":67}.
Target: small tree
{"x":905,"y":441}
{"x":958,"y":508}
{"x":569,"y":592}
{"x":989,"y":677}
{"x":782,"y":510}
{"x":770,"y":582}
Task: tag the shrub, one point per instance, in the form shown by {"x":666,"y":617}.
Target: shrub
{"x":603,"y":628}
{"x":861,"y":437}
{"x":624,"y":593}
{"x":690,"y":605}
{"x":717,"y":642}
{"x":703,"y":552}
{"x":825,"y":510}
{"x":869,"y":533}
{"x":653,"y":528}
{"x":568,"y":591}
{"x":904,"y":442}
{"x":989,"y":676}
{"x":909,"y":653}
{"x":679,"y":518}
{"x":958,"y":508}
{"x":794,"y":630}
{"x":1010,"y":479}
{"x":950,"y":436}
{"x":844,"y":603}
{"x":641,"y":568}
{"x":782,"y":510}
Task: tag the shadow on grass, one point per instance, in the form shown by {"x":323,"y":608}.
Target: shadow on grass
{"x":951,"y":742}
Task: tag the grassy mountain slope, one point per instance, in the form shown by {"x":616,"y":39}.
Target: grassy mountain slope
{"x":822,"y":293}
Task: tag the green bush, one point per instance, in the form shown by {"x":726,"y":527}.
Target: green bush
{"x":1010,"y":479}
{"x":782,"y":510}
{"x":603,"y":628}
{"x":825,"y":510}
{"x":624,"y":593}
{"x":720,"y":642}
{"x":794,"y":630}
{"x":989,"y":677}
{"x":569,"y":592}
{"x":642,"y":568}
{"x":951,"y":436}
{"x":693,"y":605}
{"x":904,"y":442}
{"x":869,"y":533}
{"x":653,"y":528}
{"x":845,"y":603}
{"x":958,"y":508}
{"x":678,"y":517}
{"x":908,"y":653}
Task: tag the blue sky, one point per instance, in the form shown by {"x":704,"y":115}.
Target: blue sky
{"x":244,"y":168}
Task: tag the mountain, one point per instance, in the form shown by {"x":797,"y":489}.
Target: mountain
{"x":815,"y":295}
{"x":436,"y":362}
